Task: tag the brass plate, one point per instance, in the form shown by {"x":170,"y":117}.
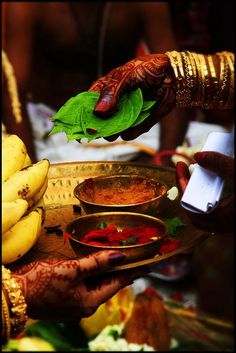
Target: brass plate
{"x":59,"y":200}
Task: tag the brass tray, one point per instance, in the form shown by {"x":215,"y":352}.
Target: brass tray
{"x":59,"y":201}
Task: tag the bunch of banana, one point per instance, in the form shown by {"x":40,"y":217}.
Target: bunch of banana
{"x":23,"y":188}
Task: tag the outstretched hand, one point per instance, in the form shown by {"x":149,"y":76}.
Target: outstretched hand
{"x":153,"y":74}
{"x":221,"y":219}
{"x":67,"y":290}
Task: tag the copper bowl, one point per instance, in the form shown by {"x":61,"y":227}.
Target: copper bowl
{"x":82,"y":225}
{"x":123,"y":193}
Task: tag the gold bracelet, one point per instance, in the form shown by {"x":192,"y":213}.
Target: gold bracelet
{"x":177,"y":65}
{"x":203,"y":81}
{"x":207,"y":84}
{"x":18,"y":307}
{"x":194,"y":79}
{"x":222,"y":75}
{"x":189,"y":77}
{"x":230,"y":60}
{"x":199,"y":93}
{"x":6,"y":323}
{"x":224,"y":81}
{"x":215,"y":81}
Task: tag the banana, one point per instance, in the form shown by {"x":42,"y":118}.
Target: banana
{"x":13,"y":155}
{"x":27,"y":161}
{"x":40,"y":206}
{"x":12,"y":213}
{"x":38,"y":196}
{"x":18,"y":240}
{"x":25,"y":183}
{"x":41,"y":210}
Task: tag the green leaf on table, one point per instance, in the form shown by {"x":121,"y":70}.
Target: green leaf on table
{"x":173,"y":225}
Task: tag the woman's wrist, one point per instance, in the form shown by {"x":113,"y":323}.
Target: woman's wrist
{"x":14,"y":301}
{"x":205,"y":81}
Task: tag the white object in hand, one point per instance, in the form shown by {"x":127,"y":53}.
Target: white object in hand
{"x":204,"y":188}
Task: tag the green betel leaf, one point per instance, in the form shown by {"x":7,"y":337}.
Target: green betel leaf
{"x":128,"y":108}
{"x":75,"y":136}
{"x":142,"y":116}
{"x":67,"y":129}
{"x":173,"y":224}
{"x":77,"y":120}
{"x":70,"y":112}
{"x":56,"y":129}
{"x":147,"y":105}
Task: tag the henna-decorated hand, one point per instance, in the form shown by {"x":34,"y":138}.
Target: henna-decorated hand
{"x":153,"y":74}
{"x":220,"y":220}
{"x":67,"y":290}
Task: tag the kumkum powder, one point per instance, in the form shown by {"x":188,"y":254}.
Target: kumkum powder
{"x":112,"y":236}
{"x":116,"y":194}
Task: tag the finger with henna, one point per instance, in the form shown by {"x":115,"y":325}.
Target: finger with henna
{"x":216,"y":162}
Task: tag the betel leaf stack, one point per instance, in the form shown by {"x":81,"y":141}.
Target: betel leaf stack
{"x":77,"y":120}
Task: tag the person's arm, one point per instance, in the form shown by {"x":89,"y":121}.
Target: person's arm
{"x":221,"y":219}
{"x":61,"y":290}
{"x":159,"y":37}
{"x":20,"y":21}
{"x":173,"y":79}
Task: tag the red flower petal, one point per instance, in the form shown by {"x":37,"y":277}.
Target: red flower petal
{"x":169,"y":245}
{"x":177,"y":296}
{"x":150,"y":291}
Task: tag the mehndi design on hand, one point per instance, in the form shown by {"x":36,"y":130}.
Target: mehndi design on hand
{"x":67,"y":290}
{"x":153,"y":74}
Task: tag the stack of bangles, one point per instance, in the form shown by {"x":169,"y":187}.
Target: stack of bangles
{"x":13,"y":307}
{"x":205,"y":81}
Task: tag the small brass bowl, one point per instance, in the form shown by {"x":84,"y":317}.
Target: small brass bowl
{"x":124,"y":193}
{"x":84,"y":224}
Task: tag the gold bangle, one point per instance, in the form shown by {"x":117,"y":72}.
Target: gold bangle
{"x":215,"y":83}
{"x":194,"y":79}
{"x":199,"y":93}
{"x":202,"y":71}
{"x":222,"y":73}
{"x":188,"y":75}
{"x":6,"y":323}
{"x":223,"y":80}
{"x":207,"y":86}
{"x":173,"y":64}
{"x":177,"y":65}
{"x":230,"y":60}
{"x":18,"y":307}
